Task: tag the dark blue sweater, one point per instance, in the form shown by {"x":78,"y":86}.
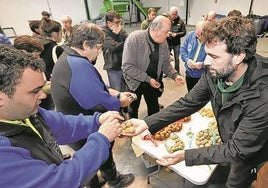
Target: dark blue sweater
{"x":77,"y":86}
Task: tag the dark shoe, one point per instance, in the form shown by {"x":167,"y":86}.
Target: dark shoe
{"x":123,"y":180}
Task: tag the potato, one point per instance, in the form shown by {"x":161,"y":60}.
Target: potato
{"x":207,"y":112}
{"x":166,"y":131}
{"x":174,"y":143}
{"x":127,"y":127}
{"x":204,"y":138}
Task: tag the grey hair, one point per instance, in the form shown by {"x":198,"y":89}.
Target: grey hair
{"x":156,"y":25}
{"x":66,"y":17}
{"x":173,"y":8}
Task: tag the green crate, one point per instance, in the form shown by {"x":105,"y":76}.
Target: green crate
{"x":119,"y":6}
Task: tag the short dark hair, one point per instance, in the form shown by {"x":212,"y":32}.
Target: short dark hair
{"x":111,"y":15}
{"x":238,"y":33}
{"x":86,"y":32}
{"x":13,"y":62}
{"x":49,"y":26}
{"x":45,"y":14}
{"x":34,"y":24}
{"x":28,"y":43}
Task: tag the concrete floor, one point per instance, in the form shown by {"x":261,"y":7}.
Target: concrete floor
{"x":125,"y":158}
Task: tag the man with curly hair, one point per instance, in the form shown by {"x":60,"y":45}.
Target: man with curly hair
{"x":235,"y":82}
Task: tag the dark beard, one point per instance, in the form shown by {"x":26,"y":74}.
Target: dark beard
{"x":226,"y":72}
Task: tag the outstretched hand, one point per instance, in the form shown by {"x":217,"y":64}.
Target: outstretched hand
{"x":171,"y":159}
{"x":139,"y":127}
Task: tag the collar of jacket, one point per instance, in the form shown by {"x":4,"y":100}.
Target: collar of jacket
{"x":72,"y":52}
{"x":257,"y":69}
{"x":256,"y":73}
{"x":150,"y":40}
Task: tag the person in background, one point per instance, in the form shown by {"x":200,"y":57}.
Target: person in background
{"x":45,"y":14}
{"x":235,"y":13}
{"x":67,"y":27}
{"x":211,"y":15}
{"x":144,"y":25}
{"x":30,"y":155}
{"x":235,"y":82}
{"x":177,"y":31}
{"x":142,"y":72}
{"x":193,"y":55}
{"x":150,"y":17}
{"x":51,"y":32}
{"x":4,"y":39}
{"x":113,"y":45}
{"x":35,"y":28}
{"x":77,"y":87}
{"x":28,"y":44}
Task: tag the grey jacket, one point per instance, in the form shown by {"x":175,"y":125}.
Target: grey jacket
{"x":242,"y":121}
{"x":136,"y":60}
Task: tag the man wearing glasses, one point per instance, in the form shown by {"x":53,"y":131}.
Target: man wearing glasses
{"x":113,"y":45}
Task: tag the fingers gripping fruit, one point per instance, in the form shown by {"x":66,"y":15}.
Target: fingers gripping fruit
{"x":127,"y":127}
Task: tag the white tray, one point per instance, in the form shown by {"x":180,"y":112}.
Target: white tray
{"x":198,"y":174}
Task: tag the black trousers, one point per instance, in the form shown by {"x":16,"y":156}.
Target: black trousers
{"x":190,"y":82}
{"x":150,"y":95}
{"x":107,"y":169}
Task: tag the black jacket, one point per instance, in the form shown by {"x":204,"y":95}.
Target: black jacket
{"x":177,"y":26}
{"x":45,"y":149}
{"x":113,"y":48}
{"x":242,"y":121}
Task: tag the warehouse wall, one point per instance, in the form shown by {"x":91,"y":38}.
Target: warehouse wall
{"x":15,"y":13}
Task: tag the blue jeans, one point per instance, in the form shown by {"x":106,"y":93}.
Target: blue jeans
{"x":116,"y":80}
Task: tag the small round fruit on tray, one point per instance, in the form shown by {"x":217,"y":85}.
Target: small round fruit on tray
{"x":165,"y":132}
{"x":174,"y":143}
{"x":206,"y":112}
{"x":207,"y":137}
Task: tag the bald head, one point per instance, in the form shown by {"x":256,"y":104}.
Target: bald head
{"x":211,"y":15}
{"x":160,"y":22}
{"x":160,"y":28}
{"x":199,"y":27}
